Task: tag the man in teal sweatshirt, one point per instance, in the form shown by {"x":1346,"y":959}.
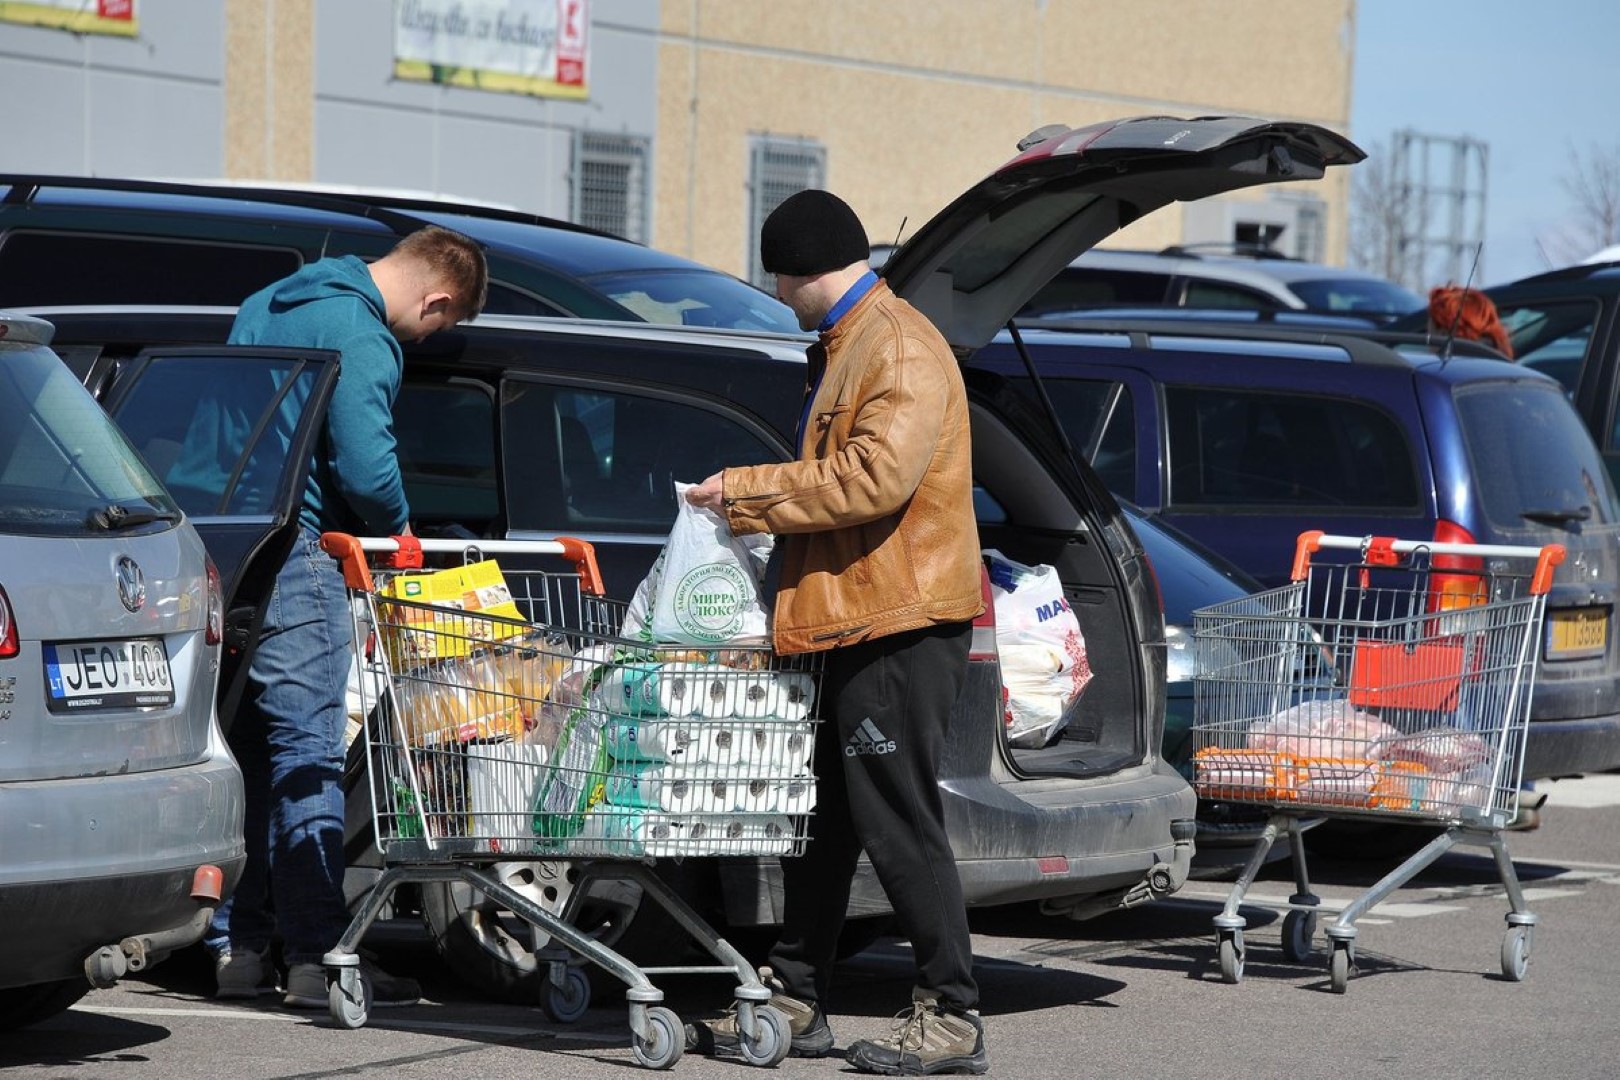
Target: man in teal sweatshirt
{"x":288,"y":733}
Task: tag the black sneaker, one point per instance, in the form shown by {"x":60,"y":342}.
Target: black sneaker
{"x":812,"y":1037}
{"x":306,"y":987}
{"x":928,"y":1040}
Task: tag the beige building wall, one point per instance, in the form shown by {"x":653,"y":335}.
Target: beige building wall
{"x":915,"y":100}
{"x":269,"y":89}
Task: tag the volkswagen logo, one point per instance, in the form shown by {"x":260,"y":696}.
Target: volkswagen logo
{"x":131,"y":583}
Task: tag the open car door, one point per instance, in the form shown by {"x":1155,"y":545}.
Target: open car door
{"x":230,"y":430}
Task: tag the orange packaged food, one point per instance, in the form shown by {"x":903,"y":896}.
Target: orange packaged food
{"x":1252,"y":775}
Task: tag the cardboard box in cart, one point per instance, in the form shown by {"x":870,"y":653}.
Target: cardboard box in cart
{"x":418,"y":634}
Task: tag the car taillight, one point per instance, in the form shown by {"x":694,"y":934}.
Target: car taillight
{"x":8,"y":628}
{"x":983,"y":646}
{"x":1455,"y":581}
{"x":216,"y":607}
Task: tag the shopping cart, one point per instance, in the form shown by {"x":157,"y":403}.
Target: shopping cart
{"x":1394,"y":687}
{"x":512,"y":715}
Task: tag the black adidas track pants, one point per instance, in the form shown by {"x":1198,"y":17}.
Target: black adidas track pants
{"x":886,"y":709}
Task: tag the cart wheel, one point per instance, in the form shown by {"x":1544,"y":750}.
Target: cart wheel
{"x":1515,"y":953}
{"x":348,"y":998}
{"x":1232,"y":956}
{"x":1340,"y":965}
{"x":664,"y":1042}
{"x":770,"y":1043}
{"x":567,"y":1003}
{"x":1298,"y":936}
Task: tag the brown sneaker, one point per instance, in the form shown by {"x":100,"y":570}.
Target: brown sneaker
{"x":928,"y":1040}
{"x":806,"y":1024}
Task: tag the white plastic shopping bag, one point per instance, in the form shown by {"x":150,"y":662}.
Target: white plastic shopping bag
{"x":704,"y":588}
{"x":1043,"y":654}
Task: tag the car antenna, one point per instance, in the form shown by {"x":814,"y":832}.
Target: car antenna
{"x":894,"y":247}
{"x":1456,"y":319}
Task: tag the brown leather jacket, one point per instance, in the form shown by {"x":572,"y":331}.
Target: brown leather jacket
{"x":875,"y":519}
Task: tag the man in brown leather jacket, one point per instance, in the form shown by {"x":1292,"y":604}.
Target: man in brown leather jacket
{"x":879,"y":565}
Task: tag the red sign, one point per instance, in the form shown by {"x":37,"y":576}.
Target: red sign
{"x":116,"y":9}
{"x":571,"y":42}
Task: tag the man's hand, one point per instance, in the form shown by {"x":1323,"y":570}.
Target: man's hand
{"x":709,"y":495}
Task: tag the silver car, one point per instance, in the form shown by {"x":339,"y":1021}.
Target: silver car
{"x":120,"y":807}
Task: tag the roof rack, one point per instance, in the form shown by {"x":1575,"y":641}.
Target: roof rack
{"x":1225,"y":247}
{"x":394,"y":213}
{"x":1568,"y":273}
{"x":1370,"y":345}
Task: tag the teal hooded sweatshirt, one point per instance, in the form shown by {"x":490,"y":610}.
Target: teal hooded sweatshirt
{"x":354,"y":481}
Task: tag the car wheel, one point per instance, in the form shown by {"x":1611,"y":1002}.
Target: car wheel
{"x":491,"y":949}
{"x":24,"y":1005}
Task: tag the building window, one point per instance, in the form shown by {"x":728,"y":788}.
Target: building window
{"x":778,"y":167}
{"x":610,"y":184}
{"x":1309,"y":229}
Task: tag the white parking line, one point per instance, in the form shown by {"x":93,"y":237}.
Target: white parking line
{"x":237,"y":1014}
{"x":1582,"y":792}
{"x":1593,"y":870}
{"x":1330,"y":907}
{"x":1434,"y":904}
{"x":1533,"y":894}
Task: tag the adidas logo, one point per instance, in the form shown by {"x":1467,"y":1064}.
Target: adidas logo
{"x":868,"y":740}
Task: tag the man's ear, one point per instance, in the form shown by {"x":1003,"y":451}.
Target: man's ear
{"x":436,"y":303}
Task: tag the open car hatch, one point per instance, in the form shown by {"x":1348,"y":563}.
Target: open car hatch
{"x":978,"y":261}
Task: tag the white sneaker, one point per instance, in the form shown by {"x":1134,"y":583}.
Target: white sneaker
{"x":243,"y":974}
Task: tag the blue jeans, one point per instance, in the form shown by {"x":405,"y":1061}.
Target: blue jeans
{"x":288,"y":740}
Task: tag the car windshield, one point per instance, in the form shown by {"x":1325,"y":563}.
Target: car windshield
{"x":65,"y":470}
{"x":1357,"y":294}
{"x":1551,"y":336}
{"x":695,"y":297}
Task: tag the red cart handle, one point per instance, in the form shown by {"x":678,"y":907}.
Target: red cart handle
{"x":405,"y":553}
{"x":1386,"y":551}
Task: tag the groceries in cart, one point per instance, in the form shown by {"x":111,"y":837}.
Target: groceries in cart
{"x":678,"y":752}
{"x":1042,"y":651}
{"x":428,"y":633}
{"x":1327,"y":752}
{"x":1367,"y":685}
{"x":523,"y":721}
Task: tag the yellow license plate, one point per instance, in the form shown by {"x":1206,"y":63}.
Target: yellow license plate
{"x":1577,"y":634}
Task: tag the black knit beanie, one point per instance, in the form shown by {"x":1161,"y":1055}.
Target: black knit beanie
{"x":812,"y":232}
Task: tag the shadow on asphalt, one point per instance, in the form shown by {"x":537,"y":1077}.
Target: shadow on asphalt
{"x":1172,"y":935}
{"x":76,"y":1040}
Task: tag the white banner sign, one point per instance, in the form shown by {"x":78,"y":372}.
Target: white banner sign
{"x":516,"y":46}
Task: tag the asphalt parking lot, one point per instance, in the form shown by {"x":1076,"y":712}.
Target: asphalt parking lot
{"x":1134,"y":994}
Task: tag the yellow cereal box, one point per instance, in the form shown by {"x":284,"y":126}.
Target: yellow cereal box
{"x":415,"y":634}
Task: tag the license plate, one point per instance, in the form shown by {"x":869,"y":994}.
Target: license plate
{"x":88,"y":676}
{"x":1577,"y":633}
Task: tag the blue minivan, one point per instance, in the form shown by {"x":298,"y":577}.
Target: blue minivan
{"x":1243,"y":437}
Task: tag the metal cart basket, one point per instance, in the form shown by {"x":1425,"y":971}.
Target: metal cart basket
{"x":512,"y":714}
{"x":1393,"y":687}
